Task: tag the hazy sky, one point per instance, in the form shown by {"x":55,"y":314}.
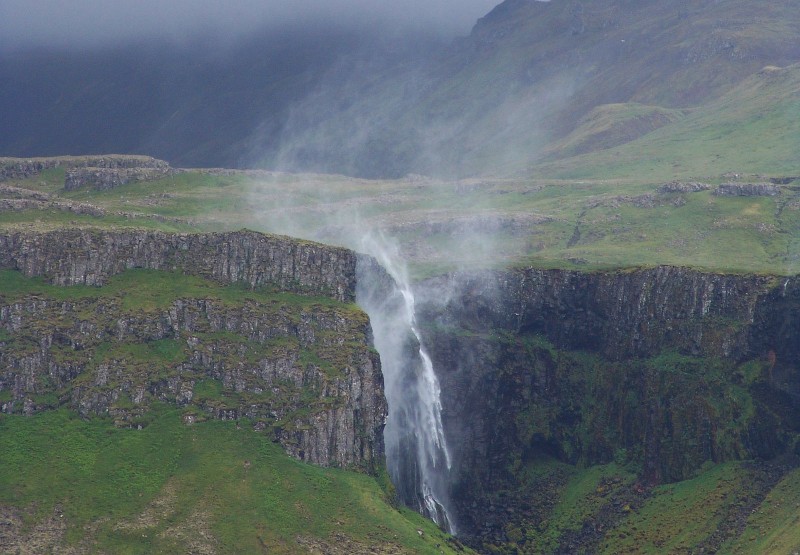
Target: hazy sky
{"x":87,"y":22}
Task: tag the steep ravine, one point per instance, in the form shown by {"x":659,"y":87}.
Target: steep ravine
{"x":661,"y":371}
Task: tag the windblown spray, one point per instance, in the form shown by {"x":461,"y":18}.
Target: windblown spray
{"x":416,"y":450}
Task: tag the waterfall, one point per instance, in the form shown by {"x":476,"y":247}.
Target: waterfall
{"x":417,"y":457}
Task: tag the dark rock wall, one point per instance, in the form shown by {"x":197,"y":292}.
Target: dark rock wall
{"x":69,"y":257}
{"x":663,"y":368}
{"x":619,"y":314}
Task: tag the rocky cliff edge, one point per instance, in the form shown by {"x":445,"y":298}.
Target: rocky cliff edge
{"x":210,"y":323}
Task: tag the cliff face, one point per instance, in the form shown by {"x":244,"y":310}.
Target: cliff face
{"x":619,"y":314}
{"x":70,"y":257}
{"x":299,"y":368}
{"x":663,"y":369}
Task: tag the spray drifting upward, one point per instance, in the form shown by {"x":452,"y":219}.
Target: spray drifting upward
{"x":416,"y":450}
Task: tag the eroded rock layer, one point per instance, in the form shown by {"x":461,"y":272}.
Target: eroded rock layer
{"x":90,"y":257}
{"x":203,"y":322}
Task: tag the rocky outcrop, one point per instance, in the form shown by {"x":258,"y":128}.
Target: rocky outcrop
{"x":301,"y":369}
{"x":19,"y":193}
{"x":17,"y":168}
{"x":77,"y":208}
{"x":17,"y":199}
{"x":683,"y":187}
{"x":783,"y":180}
{"x":662,"y":369}
{"x":747,"y":190}
{"x":89,"y":257}
{"x":620,"y":314}
{"x":103,"y":178}
{"x":21,"y":168}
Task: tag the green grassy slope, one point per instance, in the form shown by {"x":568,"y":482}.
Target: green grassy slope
{"x":775,"y":527}
{"x":212,"y":487}
{"x":172,"y":488}
{"x":613,"y":124}
{"x":755,"y":128}
{"x":732,"y":508}
{"x":150,"y":290}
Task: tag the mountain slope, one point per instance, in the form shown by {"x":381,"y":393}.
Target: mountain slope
{"x":197,"y":104}
{"x":753,"y":128}
{"x":328,"y":100}
{"x":528,"y":75}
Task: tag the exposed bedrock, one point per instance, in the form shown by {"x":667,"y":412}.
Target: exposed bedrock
{"x":136,"y":168}
{"x":89,"y":257}
{"x":101,"y":179}
{"x":662,"y":368}
{"x":302,"y":368}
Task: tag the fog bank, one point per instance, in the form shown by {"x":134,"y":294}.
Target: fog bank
{"x":87,"y":23}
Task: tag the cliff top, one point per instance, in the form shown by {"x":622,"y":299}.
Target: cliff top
{"x":728,"y":222}
{"x":89,"y":160}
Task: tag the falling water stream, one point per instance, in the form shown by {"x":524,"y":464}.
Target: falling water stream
{"x":417,"y":457}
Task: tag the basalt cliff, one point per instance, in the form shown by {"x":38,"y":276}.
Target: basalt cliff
{"x":663,"y":370}
{"x":234,"y":326}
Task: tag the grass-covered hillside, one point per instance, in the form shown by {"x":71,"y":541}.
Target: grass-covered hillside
{"x":708,"y":181}
{"x":70,"y":485}
{"x":755,"y":127}
{"x":697,"y":220}
{"x":604,"y":509}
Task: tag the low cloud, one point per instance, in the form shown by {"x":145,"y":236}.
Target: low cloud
{"x":81,"y":23}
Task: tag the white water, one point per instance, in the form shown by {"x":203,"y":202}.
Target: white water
{"x":416,"y":449}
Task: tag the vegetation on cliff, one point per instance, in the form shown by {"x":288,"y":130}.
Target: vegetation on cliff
{"x":597,"y":411}
{"x":302,"y":368}
{"x":586,"y":408}
{"x":579,"y":447}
